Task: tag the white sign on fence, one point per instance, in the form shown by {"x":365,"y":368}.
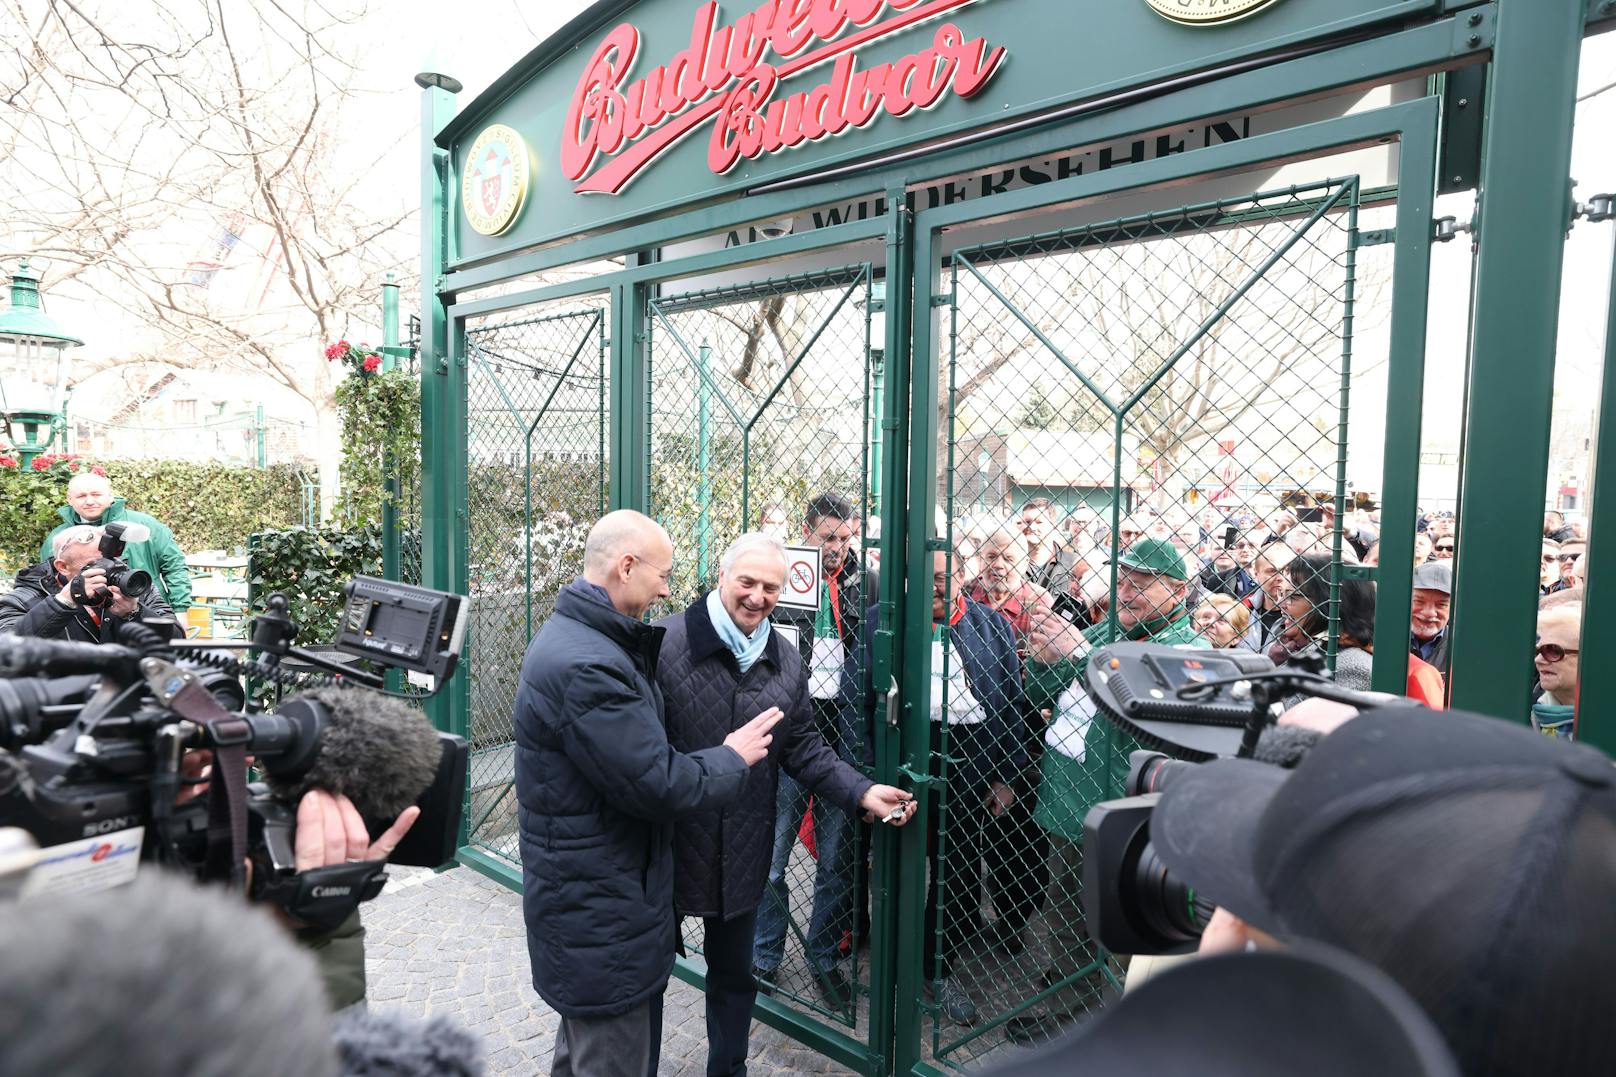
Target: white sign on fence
{"x":801,"y":591}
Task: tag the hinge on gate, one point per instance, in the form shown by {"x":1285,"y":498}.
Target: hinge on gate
{"x":1377,"y":237}
{"x":1599,"y":207}
{"x":1448,"y":228}
{"x":942,"y":300}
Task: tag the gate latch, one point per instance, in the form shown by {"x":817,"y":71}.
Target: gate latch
{"x":918,"y":777}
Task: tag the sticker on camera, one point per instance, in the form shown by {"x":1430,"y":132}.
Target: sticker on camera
{"x":87,"y":865}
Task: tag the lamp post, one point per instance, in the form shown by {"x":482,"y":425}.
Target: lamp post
{"x":33,"y":369}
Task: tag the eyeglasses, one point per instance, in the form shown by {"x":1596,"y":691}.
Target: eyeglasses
{"x":665,"y":574}
{"x":1553,"y":652}
{"x":1443,"y":546}
{"x":1567,"y":558}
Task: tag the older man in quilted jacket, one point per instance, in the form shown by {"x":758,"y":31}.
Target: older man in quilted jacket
{"x":721,"y":664}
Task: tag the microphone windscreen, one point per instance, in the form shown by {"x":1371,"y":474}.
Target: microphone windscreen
{"x":372,"y":1043}
{"x":161,"y":976}
{"x":378,"y":751}
{"x":1285,"y":745}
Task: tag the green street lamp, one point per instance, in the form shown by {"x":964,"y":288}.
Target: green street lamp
{"x":33,"y":369}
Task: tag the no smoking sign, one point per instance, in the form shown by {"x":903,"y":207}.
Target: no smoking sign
{"x":801,"y":591}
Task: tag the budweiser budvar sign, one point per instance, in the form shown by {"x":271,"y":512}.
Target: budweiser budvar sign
{"x":731,"y":74}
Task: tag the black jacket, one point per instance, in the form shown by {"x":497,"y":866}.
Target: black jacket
{"x":721,"y":856}
{"x":1235,"y":582}
{"x":31,"y":609}
{"x":599,"y":789}
{"x":985,"y":644}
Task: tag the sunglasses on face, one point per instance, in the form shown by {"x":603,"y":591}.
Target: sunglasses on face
{"x":1567,"y":558}
{"x":1553,"y":652}
{"x":1444,"y":546}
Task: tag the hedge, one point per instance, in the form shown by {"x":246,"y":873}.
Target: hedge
{"x":208,"y":506}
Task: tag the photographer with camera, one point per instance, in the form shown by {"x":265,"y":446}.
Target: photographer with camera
{"x":73,"y":597}
{"x":90,"y":500}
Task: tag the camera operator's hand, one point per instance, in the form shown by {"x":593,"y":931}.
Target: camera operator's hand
{"x":1320,"y":715}
{"x":122,"y":605}
{"x":1054,"y":638}
{"x":330,"y":831}
{"x":94,"y":582}
{"x":1226,"y":933}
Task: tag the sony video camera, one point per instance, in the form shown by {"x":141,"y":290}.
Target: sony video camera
{"x":1184,"y":707}
{"x":99,"y":744}
{"x":131,"y":581}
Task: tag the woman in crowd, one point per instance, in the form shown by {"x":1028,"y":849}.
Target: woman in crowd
{"x":1222,"y":620}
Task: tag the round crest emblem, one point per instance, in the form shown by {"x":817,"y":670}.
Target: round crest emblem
{"x":1207,"y":12}
{"x":494,"y":188}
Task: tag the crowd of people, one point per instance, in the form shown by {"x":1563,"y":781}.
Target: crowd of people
{"x":1017,"y":755}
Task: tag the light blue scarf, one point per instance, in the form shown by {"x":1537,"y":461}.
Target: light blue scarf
{"x":746,"y":650}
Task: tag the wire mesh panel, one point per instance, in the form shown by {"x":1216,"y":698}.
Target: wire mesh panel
{"x":764,"y":401}
{"x":1144,"y":437}
{"x":535,"y":482}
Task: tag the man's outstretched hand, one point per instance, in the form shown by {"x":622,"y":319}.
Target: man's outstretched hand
{"x":887,"y":803}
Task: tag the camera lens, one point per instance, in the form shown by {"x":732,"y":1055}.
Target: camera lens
{"x":1167,"y":906}
{"x":131,"y":581}
{"x":1151,"y":772}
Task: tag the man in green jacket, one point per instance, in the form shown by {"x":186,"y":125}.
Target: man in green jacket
{"x":90,"y":501}
{"x":1086,"y":761}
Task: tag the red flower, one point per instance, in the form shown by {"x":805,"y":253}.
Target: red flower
{"x":41,"y":463}
{"x":7,"y":461}
{"x":99,"y":471}
{"x":333,"y":351}
{"x":373,"y":363}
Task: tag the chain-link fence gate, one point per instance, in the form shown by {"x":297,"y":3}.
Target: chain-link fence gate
{"x":762,"y":409}
{"x":1142,"y":434}
{"x":536,"y":479}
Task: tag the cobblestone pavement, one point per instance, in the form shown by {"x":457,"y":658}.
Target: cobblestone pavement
{"x":454,"y":944}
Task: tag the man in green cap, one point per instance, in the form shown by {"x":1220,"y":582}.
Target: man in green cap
{"x":1086,"y":761}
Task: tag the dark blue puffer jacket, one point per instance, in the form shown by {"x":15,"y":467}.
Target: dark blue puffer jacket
{"x":599,"y":790}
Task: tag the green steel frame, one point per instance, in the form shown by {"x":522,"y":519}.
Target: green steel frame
{"x":1531,"y":45}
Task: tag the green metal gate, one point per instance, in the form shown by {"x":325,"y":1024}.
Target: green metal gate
{"x":762,"y":398}
{"x":536,"y":462}
{"x":1116,"y":369}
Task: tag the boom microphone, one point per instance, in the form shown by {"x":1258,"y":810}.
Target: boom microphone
{"x":377,"y":751}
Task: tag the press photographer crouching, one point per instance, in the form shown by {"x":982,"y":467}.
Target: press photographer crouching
{"x":84,"y":592}
{"x":121,"y":756}
{"x":1469,"y":859}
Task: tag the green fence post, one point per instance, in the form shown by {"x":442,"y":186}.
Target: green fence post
{"x":390,"y":487}
{"x":878,"y":375}
{"x":1596,"y":721}
{"x":258,"y":429}
{"x":1525,"y":212}
{"x":438,"y":448}
{"x":704,"y":484}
